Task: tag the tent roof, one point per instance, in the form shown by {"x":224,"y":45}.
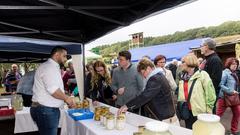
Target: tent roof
{"x":75,"y":20}
{"x":13,"y":49}
{"x":170,"y":51}
{"x":91,"y":55}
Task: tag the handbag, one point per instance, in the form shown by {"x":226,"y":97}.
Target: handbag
{"x":182,"y":106}
{"x":231,"y":100}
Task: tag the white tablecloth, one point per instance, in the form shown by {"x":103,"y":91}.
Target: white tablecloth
{"x":25,"y":123}
{"x":91,"y":127}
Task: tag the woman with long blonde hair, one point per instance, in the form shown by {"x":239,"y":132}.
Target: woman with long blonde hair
{"x":100,"y":84}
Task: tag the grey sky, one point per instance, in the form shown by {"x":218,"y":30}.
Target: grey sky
{"x":197,"y":14}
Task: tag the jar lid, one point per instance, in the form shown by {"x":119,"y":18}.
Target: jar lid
{"x":137,"y":133}
{"x":157,"y":126}
{"x":110,"y":116}
{"x":121,"y":116}
{"x":208,"y":117}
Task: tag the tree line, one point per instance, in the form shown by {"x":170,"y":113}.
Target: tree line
{"x":224,"y":29}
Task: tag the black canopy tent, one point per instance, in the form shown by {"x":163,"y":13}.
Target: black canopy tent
{"x":75,"y":20}
{"x":78,"y":21}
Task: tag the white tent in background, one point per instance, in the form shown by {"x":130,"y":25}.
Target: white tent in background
{"x":91,"y":55}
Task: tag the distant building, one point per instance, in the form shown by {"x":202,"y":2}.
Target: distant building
{"x":137,"y":40}
{"x":228,"y":46}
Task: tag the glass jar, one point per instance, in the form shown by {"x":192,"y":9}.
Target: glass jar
{"x":97,"y":114}
{"x":110,"y":122}
{"x":102,"y":118}
{"x":79,"y":105}
{"x":121,"y":120}
{"x":105,"y":116}
{"x":85,"y":103}
{"x":141,"y":129}
{"x":17,"y":102}
{"x":78,"y":102}
{"x":156,"y":128}
{"x":76,"y":99}
{"x":97,"y":109}
{"x":14,"y":102}
{"x":105,"y":110}
{"x":20,"y":102}
{"x":208,"y":124}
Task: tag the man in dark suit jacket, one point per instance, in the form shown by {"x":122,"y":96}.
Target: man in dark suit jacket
{"x":156,"y":97}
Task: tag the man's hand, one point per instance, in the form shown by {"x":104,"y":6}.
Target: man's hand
{"x":70,"y":102}
{"x":95,"y":103}
{"x":14,"y":82}
{"x":122,"y":109}
{"x":121,"y":90}
{"x":235,"y":92}
{"x":114,"y":97}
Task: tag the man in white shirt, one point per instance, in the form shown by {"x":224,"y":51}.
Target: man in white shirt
{"x":48,"y":93}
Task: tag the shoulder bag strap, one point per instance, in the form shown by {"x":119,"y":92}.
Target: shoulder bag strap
{"x":191,"y":89}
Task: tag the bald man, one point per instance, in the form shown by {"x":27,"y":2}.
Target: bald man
{"x":12,"y":79}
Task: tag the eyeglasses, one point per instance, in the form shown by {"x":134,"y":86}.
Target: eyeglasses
{"x":202,"y":45}
{"x":183,"y":62}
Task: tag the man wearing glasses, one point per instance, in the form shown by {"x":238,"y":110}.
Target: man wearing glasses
{"x":126,"y":82}
{"x":156,"y":98}
{"x":212,"y":63}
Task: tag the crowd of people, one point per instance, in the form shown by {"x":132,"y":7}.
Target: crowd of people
{"x":147,"y":88}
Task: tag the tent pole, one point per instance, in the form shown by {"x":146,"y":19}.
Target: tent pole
{"x":84,"y":71}
{"x":78,"y":65}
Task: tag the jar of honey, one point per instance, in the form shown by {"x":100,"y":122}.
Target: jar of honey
{"x":85,"y":103}
{"x":110,"y":122}
{"x":79,"y":105}
{"x":141,"y":129}
{"x":102,"y":119}
{"x":121,"y":120}
{"x":97,"y":114}
{"x":208,"y":124}
{"x":105,"y":110}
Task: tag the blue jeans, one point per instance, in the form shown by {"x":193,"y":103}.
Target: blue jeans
{"x":46,"y":118}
